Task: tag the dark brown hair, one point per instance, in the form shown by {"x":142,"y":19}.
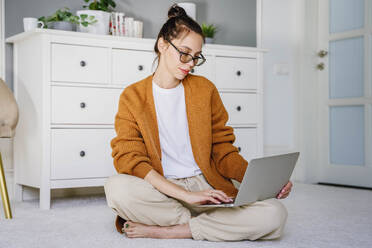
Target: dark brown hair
{"x":178,"y":22}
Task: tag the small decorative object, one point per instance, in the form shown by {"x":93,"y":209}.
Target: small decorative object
{"x":117,"y":27}
{"x":125,"y":26}
{"x":190,"y":9}
{"x":128,"y":23}
{"x":63,"y":19}
{"x":209,"y":31}
{"x":113,"y":27}
{"x":30,"y":23}
{"x":100,"y":9}
{"x":138,"y":29}
{"x":121,"y":27}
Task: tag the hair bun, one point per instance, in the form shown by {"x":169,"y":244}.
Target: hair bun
{"x":175,"y":11}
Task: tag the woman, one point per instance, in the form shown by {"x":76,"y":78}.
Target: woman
{"x":174,"y":151}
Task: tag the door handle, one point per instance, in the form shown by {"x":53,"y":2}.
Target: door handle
{"x":322,"y":53}
{"x":320,"y":66}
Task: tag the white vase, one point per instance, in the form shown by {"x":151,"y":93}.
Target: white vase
{"x":190,"y":9}
{"x":209,"y":40}
{"x":67,"y":26}
{"x":102,"y":25}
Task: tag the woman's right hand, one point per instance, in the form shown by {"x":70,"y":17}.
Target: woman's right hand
{"x":207,"y":197}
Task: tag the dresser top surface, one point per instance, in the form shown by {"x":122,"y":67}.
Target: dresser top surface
{"x":53,"y":32}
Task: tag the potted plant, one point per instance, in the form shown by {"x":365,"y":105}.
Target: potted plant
{"x":63,"y":19}
{"x":100,"y":9}
{"x":209,"y":31}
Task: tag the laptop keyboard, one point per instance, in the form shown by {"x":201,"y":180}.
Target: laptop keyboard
{"x":220,"y":204}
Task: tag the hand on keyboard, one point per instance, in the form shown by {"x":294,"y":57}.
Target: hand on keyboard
{"x":207,"y":197}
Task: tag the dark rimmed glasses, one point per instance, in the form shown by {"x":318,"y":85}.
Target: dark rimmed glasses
{"x":186,"y":57}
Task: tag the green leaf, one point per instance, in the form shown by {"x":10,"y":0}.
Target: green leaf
{"x":112,"y":3}
{"x":209,"y":30}
{"x":43,"y":20}
{"x":93,"y":6}
{"x":103,"y":5}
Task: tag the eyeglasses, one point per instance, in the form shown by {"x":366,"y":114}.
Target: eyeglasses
{"x":186,"y":57}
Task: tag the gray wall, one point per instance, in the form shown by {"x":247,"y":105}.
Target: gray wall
{"x":235,"y":19}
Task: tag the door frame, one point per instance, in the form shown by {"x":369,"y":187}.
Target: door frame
{"x":306,"y":89}
{"x":331,"y":173}
{"x":309,"y":110}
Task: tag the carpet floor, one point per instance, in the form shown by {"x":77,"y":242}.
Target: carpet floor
{"x":319,"y":216}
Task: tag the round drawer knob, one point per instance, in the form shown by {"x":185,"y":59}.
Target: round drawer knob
{"x":82,"y":154}
{"x":238,"y":108}
{"x":192,"y":70}
{"x":82,"y":105}
{"x":140,"y":67}
{"x":238,"y":73}
{"x":83,"y":63}
{"x":239,"y":148}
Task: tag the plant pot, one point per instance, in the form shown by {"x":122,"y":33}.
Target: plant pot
{"x":100,"y":27}
{"x":209,"y":40}
{"x":67,"y":26}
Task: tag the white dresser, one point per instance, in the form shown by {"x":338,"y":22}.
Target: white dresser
{"x":67,"y":85}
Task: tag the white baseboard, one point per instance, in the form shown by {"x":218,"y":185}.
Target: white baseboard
{"x":30,"y":193}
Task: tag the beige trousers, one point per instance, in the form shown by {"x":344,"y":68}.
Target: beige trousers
{"x":135,"y":199}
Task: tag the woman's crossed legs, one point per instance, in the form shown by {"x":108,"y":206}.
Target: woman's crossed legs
{"x":152,"y":214}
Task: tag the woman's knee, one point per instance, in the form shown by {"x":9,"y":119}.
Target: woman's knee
{"x":137,"y":200}
{"x":275,"y":214}
{"x":118,"y":187}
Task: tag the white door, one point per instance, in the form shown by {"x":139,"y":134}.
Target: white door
{"x":345,"y":37}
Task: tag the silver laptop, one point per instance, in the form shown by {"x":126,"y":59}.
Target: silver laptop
{"x":263,"y":179}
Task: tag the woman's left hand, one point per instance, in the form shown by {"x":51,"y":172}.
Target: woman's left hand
{"x":285,"y":191}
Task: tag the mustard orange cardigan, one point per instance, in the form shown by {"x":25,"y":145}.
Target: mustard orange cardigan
{"x":136,"y":148}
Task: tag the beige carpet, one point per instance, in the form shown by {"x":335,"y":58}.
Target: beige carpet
{"x":319,"y":216}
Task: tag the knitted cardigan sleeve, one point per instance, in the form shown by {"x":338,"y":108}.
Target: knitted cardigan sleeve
{"x":229,"y":162}
{"x":128,"y":147}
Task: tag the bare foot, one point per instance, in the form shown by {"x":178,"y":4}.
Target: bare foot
{"x":138,"y":230}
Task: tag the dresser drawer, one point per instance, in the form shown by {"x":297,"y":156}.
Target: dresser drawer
{"x":236,"y":73}
{"x":76,"y":105}
{"x":79,"y":64}
{"x":81,"y":153}
{"x":241,"y":107}
{"x":207,"y":69}
{"x":246,"y":141}
{"x":130,"y":66}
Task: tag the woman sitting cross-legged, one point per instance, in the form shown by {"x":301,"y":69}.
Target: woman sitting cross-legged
{"x":173,"y":151}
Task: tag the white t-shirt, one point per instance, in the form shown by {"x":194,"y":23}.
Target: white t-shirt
{"x":177,"y":157}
